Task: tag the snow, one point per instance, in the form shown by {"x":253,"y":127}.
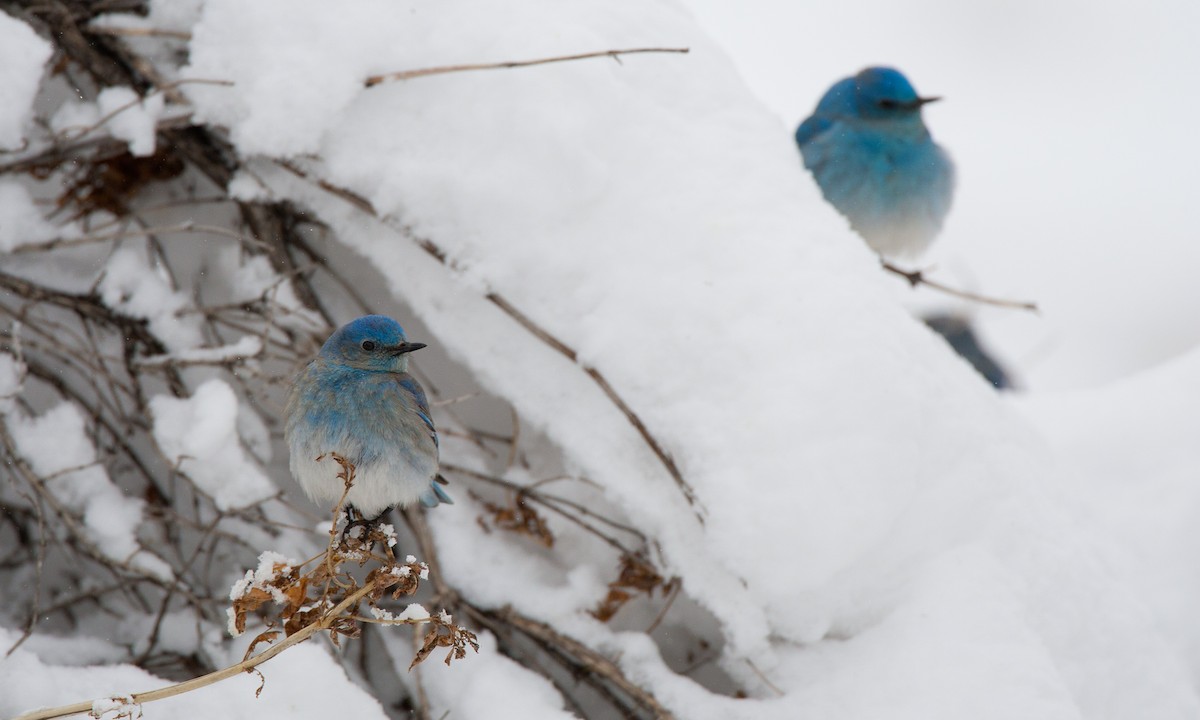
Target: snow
{"x":877,"y":534}
{"x":412,"y":612}
{"x":119,"y":111}
{"x":272,"y":566}
{"x":276,"y":60}
{"x":134,"y":286}
{"x":247,"y":346}
{"x":22,"y":57}
{"x":22,"y":222}
{"x":199,"y":435}
{"x":1128,"y":459}
{"x":131,"y":118}
{"x":169,"y":15}
{"x":247,"y":279}
{"x":118,"y":707}
{"x":496,"y":688}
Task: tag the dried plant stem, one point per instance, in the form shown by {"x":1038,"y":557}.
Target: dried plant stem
{"x":917,"y":277}
{"x":422,"y":72}
{"x":214,"y":677}
{"x":140,"y":32}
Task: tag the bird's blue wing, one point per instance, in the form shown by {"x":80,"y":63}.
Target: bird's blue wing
{"x":414,"y":389}
{"x":812,"y":127}
{"x":434,"y":495}
{"x":837,"y":102}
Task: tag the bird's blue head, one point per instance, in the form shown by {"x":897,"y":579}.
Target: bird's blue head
{"x":883,"y":93}
{"x":372,"y":342}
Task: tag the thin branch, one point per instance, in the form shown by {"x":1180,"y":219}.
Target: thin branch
{"x":140,"y":32}
{"x":675,"y":584}
{"x":917,"y":277}
{"x":180,"y":228}
{"x":764,"y":678}
{"x":423,"y":72}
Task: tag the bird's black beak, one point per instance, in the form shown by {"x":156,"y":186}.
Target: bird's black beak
{"x":926,"y":100}
{"x":406,"y":347}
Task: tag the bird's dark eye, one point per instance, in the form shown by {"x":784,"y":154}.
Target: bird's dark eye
{"x":887,"y":104}
{"x":368,"y":345}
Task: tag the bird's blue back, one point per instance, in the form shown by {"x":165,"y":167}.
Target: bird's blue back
{"x":368,"y":414}
{"x":875,"y":161}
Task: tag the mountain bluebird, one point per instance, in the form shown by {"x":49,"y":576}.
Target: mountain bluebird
{"x":357,"y":399}
{"x":957,"y":331}
{"x":873,"y":157}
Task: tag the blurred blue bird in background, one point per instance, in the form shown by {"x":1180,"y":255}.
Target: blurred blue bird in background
{"x":357,"y":399}
{"x":875,"y":161}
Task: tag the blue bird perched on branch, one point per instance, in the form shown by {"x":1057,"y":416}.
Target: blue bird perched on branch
{"x":356,"y":399}
{"x":875,"y":161}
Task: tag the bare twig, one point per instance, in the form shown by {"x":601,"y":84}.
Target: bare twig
{"x":764,"y":678}
{"x":140,"y":32}
{"x":423,"y":72}
{"x":917,"y":277}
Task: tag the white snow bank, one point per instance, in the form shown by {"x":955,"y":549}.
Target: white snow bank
{"x":1128,"y":460}
{"x":199,"y":434}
